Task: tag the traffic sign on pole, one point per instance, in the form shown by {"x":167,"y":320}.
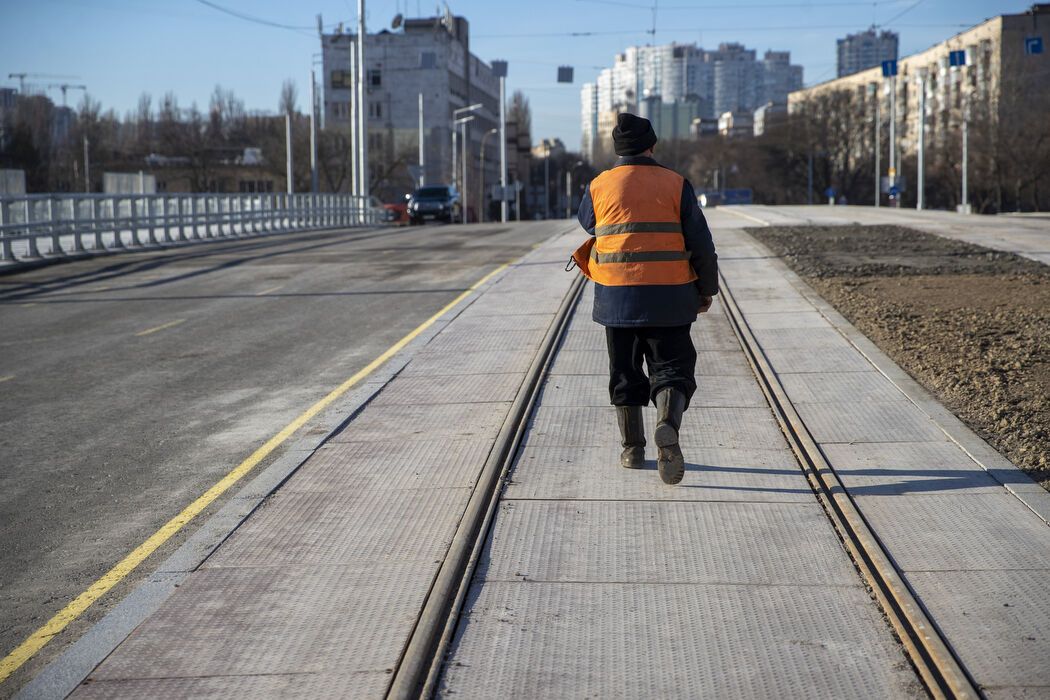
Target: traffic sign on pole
{"x":957,"y":58}
{"x":889,"y":68}
{"x":1033,"y":45}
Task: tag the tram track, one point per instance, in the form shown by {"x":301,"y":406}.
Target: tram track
{"x":419,"y":668}
{"x":925,"y":645}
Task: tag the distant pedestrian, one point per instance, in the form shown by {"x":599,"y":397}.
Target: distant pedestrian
{"x":654,"y":266}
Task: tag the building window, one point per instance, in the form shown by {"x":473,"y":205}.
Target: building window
{"x":375,"y":78}
{"x":427,"y":59}
{"x":375,"y":110}
{"x":341,"y":79}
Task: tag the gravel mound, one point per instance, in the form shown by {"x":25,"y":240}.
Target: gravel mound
{"x":971,"y":325}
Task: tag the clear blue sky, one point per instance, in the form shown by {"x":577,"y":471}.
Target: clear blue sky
{"x":121,"y":48}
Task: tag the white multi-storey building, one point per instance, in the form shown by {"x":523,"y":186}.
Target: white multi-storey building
{"x":429,"y":57}
{"x":675,"y":84}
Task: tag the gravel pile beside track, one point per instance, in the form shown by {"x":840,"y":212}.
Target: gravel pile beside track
{"x":972,"y":325}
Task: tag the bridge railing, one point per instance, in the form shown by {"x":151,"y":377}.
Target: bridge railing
{"x":39,"y":225}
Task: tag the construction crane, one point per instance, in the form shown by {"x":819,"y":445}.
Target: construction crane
{"x":65,"y":86}
{"x":22,"y":78}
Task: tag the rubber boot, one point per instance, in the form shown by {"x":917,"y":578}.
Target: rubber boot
{"x":670,"y":405}
{"x":632,"y":436}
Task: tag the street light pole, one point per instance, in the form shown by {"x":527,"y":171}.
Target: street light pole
{"x":546,"y":180}
{"x":921,"y":164}
{"x":568,"y":188}
{"x":503,"y":149}
{"x":362,"y":106}
{"x":568,"y":194}
{"x":288,"y":149}
{"x":893,"y":136}
{"x":422,"y":146}
{"x":481,"y":187}
{"x":466,"y":197}
{"x":87,"y":166}
{"x":355,"y":189}
{"x":457,"y":121}
{"x":965,"y":154}
{"x":313,"y":132}
{"x":878,"y":147}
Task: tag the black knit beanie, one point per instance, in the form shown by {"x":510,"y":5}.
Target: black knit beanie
{"x":632,"y":135}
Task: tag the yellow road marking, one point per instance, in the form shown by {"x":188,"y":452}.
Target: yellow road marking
{"x":267,"y":291}
{"x":4,"y":379}
{"x":161,"y":327}
{"x":36,"y":641}
{"x":746,"y":216}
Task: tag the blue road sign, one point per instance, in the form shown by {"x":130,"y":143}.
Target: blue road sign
{"x":957,"y":58}
{"x":1033,"y":45}
{"x":889,"y":69}
{"x":829,"y":192}
{"x":895,"y":191}
{"x":740,"y":196}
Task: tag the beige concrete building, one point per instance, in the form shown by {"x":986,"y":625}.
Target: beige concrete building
{"x":1004,"y":67}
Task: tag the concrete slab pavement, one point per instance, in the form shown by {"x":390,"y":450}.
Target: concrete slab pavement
{"x":596,"y":580}
{"x":967,"y":528}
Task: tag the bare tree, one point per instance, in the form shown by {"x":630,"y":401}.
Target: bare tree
{"x":289,"y":96}
{"x":520,"y":113}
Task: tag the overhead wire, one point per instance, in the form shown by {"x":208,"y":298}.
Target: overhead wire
{"x":301,"y":29}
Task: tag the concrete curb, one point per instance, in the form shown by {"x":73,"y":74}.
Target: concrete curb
{"x":16,"y":266}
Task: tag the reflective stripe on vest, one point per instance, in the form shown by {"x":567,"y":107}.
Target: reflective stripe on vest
{"x":638,"y":228}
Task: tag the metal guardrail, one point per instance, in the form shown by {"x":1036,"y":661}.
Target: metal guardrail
{"x":55,"y":225}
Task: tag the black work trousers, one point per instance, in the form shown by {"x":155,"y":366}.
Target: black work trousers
{"x":669,"y":354}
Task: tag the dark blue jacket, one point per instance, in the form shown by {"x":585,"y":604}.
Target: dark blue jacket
{"x":658,"y":304}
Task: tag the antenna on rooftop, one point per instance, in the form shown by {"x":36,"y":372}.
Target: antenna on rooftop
{"x":398,"y":19}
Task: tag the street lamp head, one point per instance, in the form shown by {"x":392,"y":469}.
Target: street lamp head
{"x":462,"y":110}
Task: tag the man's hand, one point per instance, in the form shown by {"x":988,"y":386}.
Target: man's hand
{"x":705,"y":304}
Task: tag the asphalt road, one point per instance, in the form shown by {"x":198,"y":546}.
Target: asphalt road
{"x":129,"y":384}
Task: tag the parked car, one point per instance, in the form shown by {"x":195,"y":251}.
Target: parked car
{"x":396,"y":212}
{"x":438,"y":202}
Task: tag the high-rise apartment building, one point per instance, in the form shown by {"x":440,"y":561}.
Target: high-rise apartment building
{"x":864,"y":50}
{"x":675,"y":84}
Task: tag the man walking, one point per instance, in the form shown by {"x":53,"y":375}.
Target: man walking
{"x":654,"y":267}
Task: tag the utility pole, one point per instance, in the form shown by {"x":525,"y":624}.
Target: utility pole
{"x":288,"y":149}
{"x":503,"y":149}
{"x":313,"y":132}
{"x":920,"y":177}
{"x":422,"y":146}
{"x":362,"y":106}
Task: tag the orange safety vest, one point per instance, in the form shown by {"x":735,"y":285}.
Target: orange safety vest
{"x":638,"y":229}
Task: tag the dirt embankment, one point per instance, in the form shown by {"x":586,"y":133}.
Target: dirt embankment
{"x":972,"y":325}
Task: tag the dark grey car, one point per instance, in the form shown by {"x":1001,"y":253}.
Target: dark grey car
{"x":438,"y":202}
